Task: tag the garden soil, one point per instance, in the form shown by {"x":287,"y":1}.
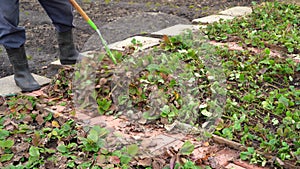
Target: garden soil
{"x":117,"y":20}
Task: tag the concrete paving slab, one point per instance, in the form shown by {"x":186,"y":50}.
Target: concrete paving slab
{"x":211,"y":19}
{"x":89,"y":54}
{"x":146,"y":42}
{"x":9,"y":87}
{"x":129,"y":26}
{"x":237,"y":11}
{"x":178,"y":29}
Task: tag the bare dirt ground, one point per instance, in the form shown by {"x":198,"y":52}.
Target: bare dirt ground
{"x":116,"y":19}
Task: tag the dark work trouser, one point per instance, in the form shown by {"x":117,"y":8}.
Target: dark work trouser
{"x":13,"y":36}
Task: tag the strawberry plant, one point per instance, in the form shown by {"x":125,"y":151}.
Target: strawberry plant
{"x":271,"y":24}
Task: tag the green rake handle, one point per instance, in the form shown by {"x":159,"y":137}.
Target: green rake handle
{"x":94,"y":26}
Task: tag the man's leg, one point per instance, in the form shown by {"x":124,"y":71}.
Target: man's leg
{"x":61,"y":14}
{"x":12,"y":37}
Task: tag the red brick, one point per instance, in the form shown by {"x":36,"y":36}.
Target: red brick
{"x":97,"y":120}
{"x":223,"y":157}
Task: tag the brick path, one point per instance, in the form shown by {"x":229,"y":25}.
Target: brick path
{"x":156,"y":141}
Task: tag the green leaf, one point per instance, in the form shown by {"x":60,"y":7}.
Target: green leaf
{"x":152,"y":67}
{"x":206,"y":113}
{"x":34,"y":151}
{"x":251,"y":150}
{"x":251,"y":154}
{"x":48,"y":117}
{"x":266,"y":61}
{"x":93,"y":136}
{"x":265,"y":104}
{"x":66,"y":127}
{"x":102,"y":132}
{"x":248,"y":98}
{"x":6,"y":157}
{"x":125,"y":159}
{"x":165,"y":109}
{"x":290,"y":50}
{"x":132,"y":150}
{"x":3,"y":134}
{"x":62,"y":148}
{"x":49,"y":151}
{"x":284,"y":100}
{"x":227,"y":132}
{"x":134,"y":41}
{"x":6,"y":144}
{"x":244,"y":155}
{"x":187,"y":148}
{"x":54,"y":133}
{"x":104,"y":104}
{"x":71,"y":145}
{"x":237,"y":126}
{"x":122,"y":99}
{"x":267,"y":51}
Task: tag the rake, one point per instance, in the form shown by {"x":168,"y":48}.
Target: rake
{"x":94,"y":26}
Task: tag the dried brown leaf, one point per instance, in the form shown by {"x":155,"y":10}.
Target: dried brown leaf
{"x":35,"y":93}
{"x":2,"y":100}
{"x":166,"y":39}
{"x":114,"y":160}
{"x":102,"y":81}
{"x":158,"y":163}
{"x":56,"y":115}
{"x":7,"y":122}
{"x":22,"y":147}
{"x":206,"y":144}
{"x":10,"y":127}
{"x":39,"y":119}
{"x":145,"y":162}
{"x":48,"y":124}
{"x":101,"y":160}
{"x":58,"y":108}
{"x":164,"y":120}
{"x":35,"y":112}
{"x":36,"y":139}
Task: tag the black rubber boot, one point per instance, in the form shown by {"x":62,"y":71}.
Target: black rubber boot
{"x":68,"y":53}
{"x":23,"y":77}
